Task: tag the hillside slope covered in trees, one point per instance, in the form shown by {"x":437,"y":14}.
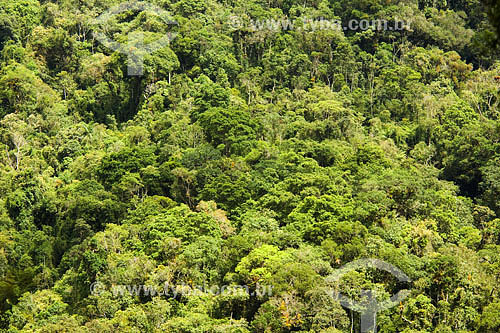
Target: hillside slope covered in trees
{"x":248,"y":157}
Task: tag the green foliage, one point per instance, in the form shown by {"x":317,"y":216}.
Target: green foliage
{"x":248,"y":158}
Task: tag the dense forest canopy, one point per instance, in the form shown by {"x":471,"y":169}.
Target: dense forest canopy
{"x":249,"y":157}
